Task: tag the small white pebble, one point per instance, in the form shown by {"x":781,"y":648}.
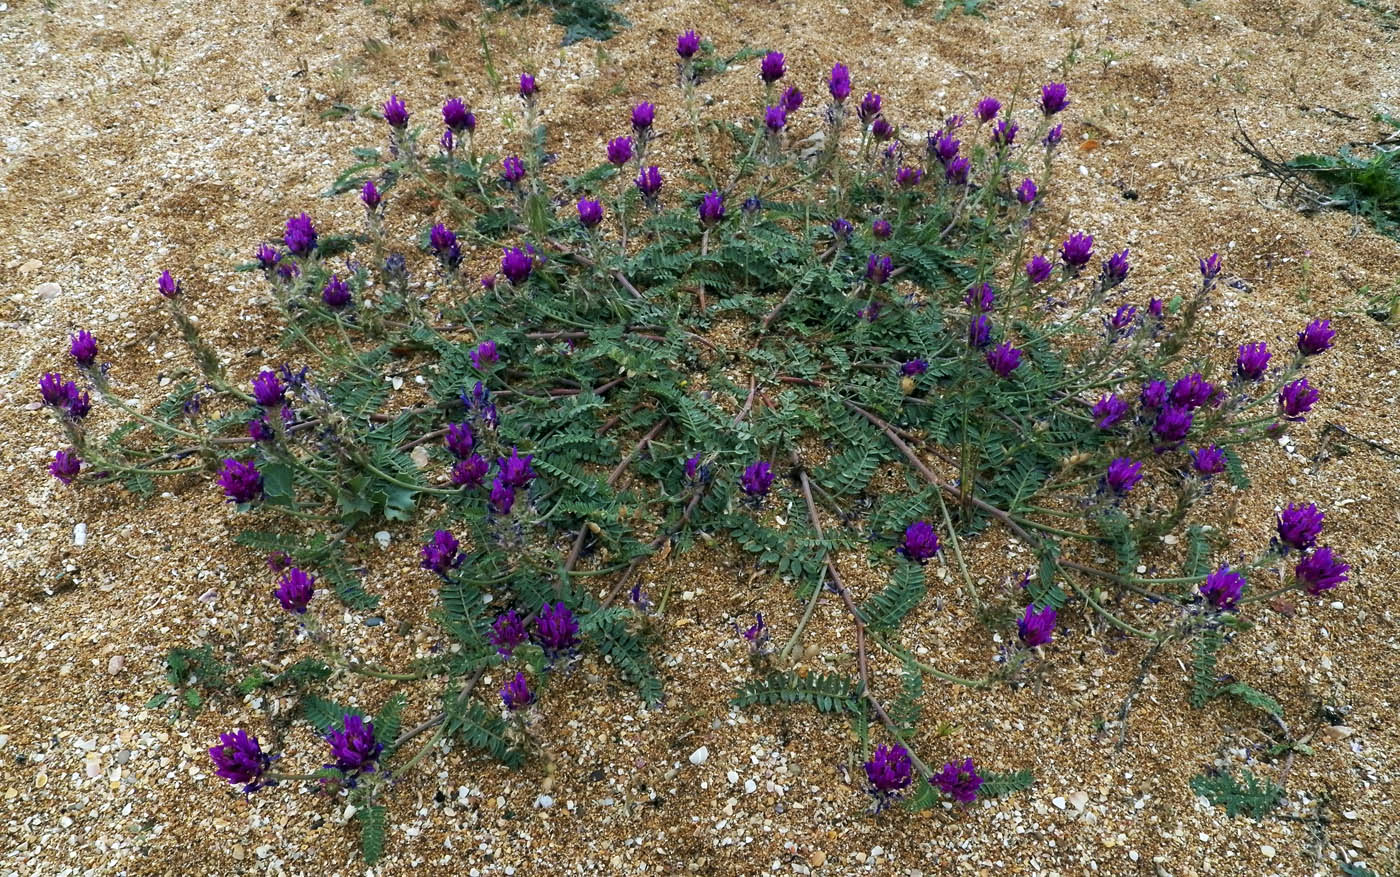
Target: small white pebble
{"x":700,"y":756}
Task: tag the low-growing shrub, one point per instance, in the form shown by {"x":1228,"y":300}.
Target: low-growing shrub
{"x":828,"y":335}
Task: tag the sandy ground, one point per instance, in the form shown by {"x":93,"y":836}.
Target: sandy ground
{"x":167,"y":134}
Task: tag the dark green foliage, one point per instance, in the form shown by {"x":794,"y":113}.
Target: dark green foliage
{"x":581,"y":19}
{"x":371,"y":832}
{"x":885,"y":610}
{"x":1248,"y":795}
{"x":477,"y":727}
{"x":608,"y":631}
{"x":1205,"y":649}
{"x":326,"y":715}
{"x":1364,"y":185}
{"x":388,"y":721}
{"x":999,"y":785}
{"x":827,"y":692}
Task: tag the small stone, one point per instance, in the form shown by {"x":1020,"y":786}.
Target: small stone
{"x":1337,"y":732}
{"x":1079,"y":799}
{"x":47,"y":291}
{"x":750,"y":786}
{"x":700,"y":756}
{"x":544,"y":802}
{"x":1058,"y":801}
{"x":1266,"y":851}
{"x":123,"y":756}
{"x":382,"y":537}
{"x":816,"y":859}
{"x":732,"y":776}
{"x":30,"y":267}
{"x":115,"y":664}
{"x":80,"y":535}
{"x":373,"y":621}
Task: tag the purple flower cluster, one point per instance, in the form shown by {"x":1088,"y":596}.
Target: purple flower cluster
{"x":959,"y":782}
{"x":1036,"y":628}
{"x":516,"y":693}
{"x":757,"y":479}
{"x":294,"y":590}
{"x":354,"y":747}
{"x":507,"y":632}
{"x":442,"y":553}
{"x":60,"y":394}
{"x":1222,"y":589}
{"x":556,"y":630}
{"x":1004,"y":359}
{"x":242,"y":482}
{"x":1108,"y":411}
{"x":889,"y":771}
{"x":1296,"y":399}
{"x":1122,"y":475}
{"x":239,"y":759}
{"x":920,"y":542}
{"x":65,"y":465}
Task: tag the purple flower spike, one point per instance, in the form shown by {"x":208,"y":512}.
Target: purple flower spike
{"x":83,"y":348}
{"x":1192,"y":391}
{"x":711,"y":208}
{"x":1210,"y":269}
{"x":1027,"y":192}
{"x":839,"y":83}
{"x":692,"y":468}
{"x":516,"y":265}
{"x":687,"y":44}
{"x":516,"y":693}
{"x":512,"y":169}
{"x":242,"y":482}
{"x":1004,"y":134}
{"x":842,"y":228}
{"x":1173,"y":423}
{"x":1122,"y":475}
{"x":920,"y":542}
{"x":395,"y":112}
{"x":442,"y":553}
{"x":1036,"y":628}
{"x":756,"y":634}
{"x":1208,"y":461}
{"x":1123,"y":318}
{"x":502,"y":497}
{"x":1253,"y":361}
{"x":65,"y":465}
{"x":878,"y":268}
{"x":300,"y":235}
{"x":239,"y":759}
{"x":908,"y":177}
{"x":1109,"y":410}
{"x":869,"y":107}
{"x":620,"y":151}
{"x":959,"y":782}
{"x":267,"y":255}
{"x":1115,"y":270}
{"x":1054,"y":97}
{"x":882,"y":130}
{"x":979,"y":331}
{"x":772,"y":68}
{"x":957,"y":171}
{"x":757,"y":479}
{"x":1320,"y":571}
{"x":649,"y":181}
{"x":987,"y":109}
{"x":1296,"y":399}
{"x":78,"y":404}
{"x":1222,"y":589}
{"x":643,"y":115}
{"x":51,"y":388}
{"x":1053,"y":137}
{"x":260,"y":431}
{"x":1156,"y":308}
{"x":507,"y":632}
{"x":295,"y":590}
{"x":590,"y":213}
{"x":556,"y":630}
{"x":354,"y":748}
{"x":1038,"y":269}
{"x":1316,"y":338}
{"x":775,"y":118}
{"x":889,"y":769}
{"x":1077,"y":250}
{"x":460,"y":440}
{"x":914,"y":367}
{"x":791,"y":101}
{"x":1300,"y":525}
{"x":1004,"y":359}
{"x":268,"y":391}
{"x":369,"y":195}
{"x":528,"y":87}
{"x":515,"y":470}
{"x":1154,"y":395}
{"x":945,"y":147}
{"x":981,"y":298}
{"x":336,"y":293}
{"x":881,"y":229}
{"x":470,"y":472}
{"x":458,"y":116}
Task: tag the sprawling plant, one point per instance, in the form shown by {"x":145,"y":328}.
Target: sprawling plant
{"x":736,"y":348}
